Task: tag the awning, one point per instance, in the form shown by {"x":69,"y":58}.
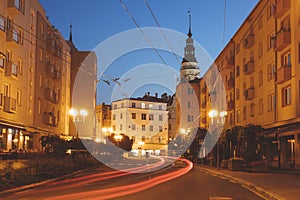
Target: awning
{"x":282,"y":131}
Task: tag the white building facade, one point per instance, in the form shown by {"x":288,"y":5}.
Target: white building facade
{"x":145,"y":120}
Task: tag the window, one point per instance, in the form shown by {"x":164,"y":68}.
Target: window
{"x":271,"y":10}
{"x":189,"y":104}
{"x":39,"y":106}
{"x":260,"y":23}
{"x":190,"y":91}
{"x":133,"y":127}
{"x":160,"y":128}
{"x":2,"y":24}
{"x":2,"y":61}
{"x":260,"y":50}
{"x":121,"y":115}
{"x":252,"y":110}
{"x":271,"y":71}
{"x":41,"y":55}
{"x":121,"y":127}
{"x":41,"y":29}
{"x":143,"y":105}
{"x":8,"y":55}
{"x":271,"y":102}
{"x":151,"y":117}
{"x":133,"y":104}
{"x":237,"y":48}
{"x":133,"y":115}
{"x":143,"y":127}
{"x":190,"y":118}
{"x":144,"y":116}
{"x":238,"y":116}
{"x":245,"y":113}
{"x":260,"y":77}
{"x":21,"y":36}
{"x":6,"y":90}
{"x":40,"y":80}
{"x":114,"y":117}
{"x":260,"y":105}
{"x":19,"y":96}
{"x":286,"y":59}
{"x":160,"y":107}
{"x":160,"y":117}
{"x":122,"y":105}
{"x":237,"y":93}
{"x":15,"y":36}
{"x":150,"y":128}
{"x":20,"y":67}
{"x":286,"y":96}
{"x":237,"y":71}
{"x":14,"y":70}
{"x":115,"y":106}
{"x":150,"y":106}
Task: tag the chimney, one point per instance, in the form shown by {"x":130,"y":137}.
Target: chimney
{"x":156,"y":94}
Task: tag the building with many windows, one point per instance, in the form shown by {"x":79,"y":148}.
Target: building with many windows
{"x":259,"y":69}
{"x":145,"y":120}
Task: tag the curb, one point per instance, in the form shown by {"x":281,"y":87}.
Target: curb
{"x":250,"y":186}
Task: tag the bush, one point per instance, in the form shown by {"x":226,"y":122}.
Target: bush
{"x":36,"y":170}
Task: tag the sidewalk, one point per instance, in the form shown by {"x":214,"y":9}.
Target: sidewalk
{"x":271,"y":185}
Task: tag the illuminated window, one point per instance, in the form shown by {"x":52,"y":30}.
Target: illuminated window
{"x":286,"y":96}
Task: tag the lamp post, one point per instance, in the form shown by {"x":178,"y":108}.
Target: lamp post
{"x":214,"y":114}
{"x":78,"y":118}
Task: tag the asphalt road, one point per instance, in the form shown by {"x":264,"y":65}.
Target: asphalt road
{"x":193,"y":185}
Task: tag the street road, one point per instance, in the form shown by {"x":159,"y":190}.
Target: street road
{"x":174,"y":181}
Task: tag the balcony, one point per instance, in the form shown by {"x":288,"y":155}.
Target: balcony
{"x":249,"y":41}
{"x":282,"y":6}
{"x":1,"y":100}
{"x":10,"y":105}
{"x":204,"y":90}
{"x":249,"y":94}
{"x":14,"y":7}
{"x":51,"y":95}
{"x":11,"y":70}
{"x":283,"y":39}
{"x":283,"y":74}
{"x":50,"y":119}
{"x":230,"y":105}
{"x":229,"y":84}
{"x":230,"y":63}
{"x":249,"y":67}
{"x":204,"y":121}
{"x":52,"y":71}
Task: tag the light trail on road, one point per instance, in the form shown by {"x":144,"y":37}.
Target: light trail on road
{"x":132,"y":188}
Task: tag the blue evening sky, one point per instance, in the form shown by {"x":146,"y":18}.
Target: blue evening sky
{"x":94,"y":21}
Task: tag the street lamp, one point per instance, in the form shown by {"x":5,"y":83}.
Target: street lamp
{"x":81,"y":118}
{"x":213,"y":114}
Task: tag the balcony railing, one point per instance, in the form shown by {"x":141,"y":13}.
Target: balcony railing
{"x":249,"y":67}
{"x":15,"y":7}
{"x":283,"y":74}
{"x":10,"y":105}
{"x":249,"y":41}
{"x":249,"y":94}
{"x":230,"y":105}
{"x":282,"y":6}
{"x":51,"y":95}
{"x":230,"y":63}
{"x":50,"y":119}
{"x":283,"y":39}
{"x":11,"y":70}
{"x":230,"y":84}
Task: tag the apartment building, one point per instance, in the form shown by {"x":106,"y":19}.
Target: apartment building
{"x":259,"y":69}
{"x":103,"y":122}
{"x":35,"y":77}
{"x":145,"y":120}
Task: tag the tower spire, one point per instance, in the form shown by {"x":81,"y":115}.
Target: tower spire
{"x":190,"y":23}
{"x":70,"y":37}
